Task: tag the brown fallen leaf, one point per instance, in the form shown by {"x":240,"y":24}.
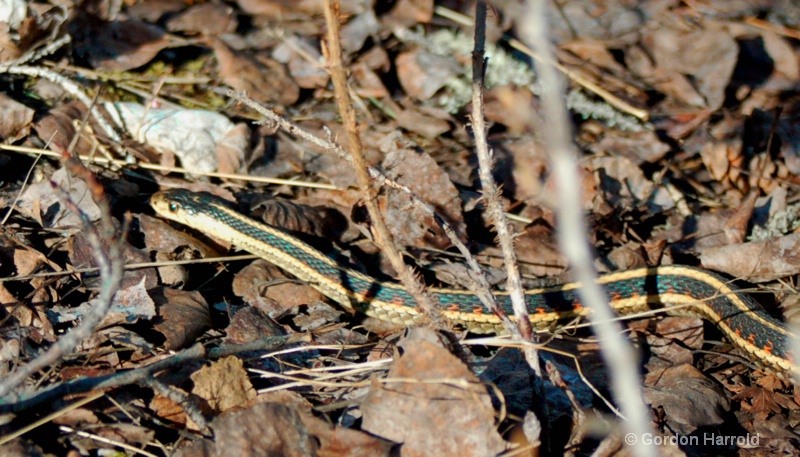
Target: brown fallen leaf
{"x":184,"y":316}
{"x":15,"y":119}
{"x":416,"y":120}
{"x":640,"y":147}
{"x":432,"y":403}
{"x":756,"y":261}
{"x":131,"y":434}
{"x":264,"y":429}
{"x":250,"y":324}
{"x":262,"y":279}
{"x":204,"y":19}
{"x":422,"y":73}
{"x":671,"y":342}
{"x":162,"y":237}
{"x":762,"y":402}
{"x":690,"y":399}
{"x":410,"y":12}
{"x":81,"y":255}
{"x":262,"y":78}
{"x":708,"y":55}
{"x":119,"y":45}
{"x":409,"y":225}
{"x":224,"y":384}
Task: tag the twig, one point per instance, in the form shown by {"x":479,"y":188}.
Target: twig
{"x":491,"y":194}
{"x":617,"y":351}
{"x":156,"y":167}
{"x":107,"y":441}
{"x":69,"y":86}
{"x":383,"y":238}
{"x":38,"y":423}
{"x":189,"y":406}
{"x":110,"y":262}
{"x":194,"y":353}
{"x":578,"y":416}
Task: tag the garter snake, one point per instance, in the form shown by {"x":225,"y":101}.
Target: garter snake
{"x":679,"y":290}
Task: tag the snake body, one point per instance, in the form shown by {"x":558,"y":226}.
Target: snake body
{"x":679,"y":290}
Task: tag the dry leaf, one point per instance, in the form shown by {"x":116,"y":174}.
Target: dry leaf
{"x":690,"y":399}
{"x":756,"y":261}
{"x":224,"y":384}
{"x":120,"y":45}
{"x":204,"y":19}
{"x":264,"y":429}
{"x":185,"y":316}
{"x":263,"y":79}
{"x":262,"y":279}
{"x":432,"y":403}
{"x":409,"y":225}
{"x":250,"y":324}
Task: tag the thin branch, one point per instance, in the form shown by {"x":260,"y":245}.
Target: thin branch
{"x":157,"y":167}
{"x":107,"y":252}
{"x":617,"y":351}
{"x":383,"y":238}
{"x":491,"y":194}
{"x":196,"y":352}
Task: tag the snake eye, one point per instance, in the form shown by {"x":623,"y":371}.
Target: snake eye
{"x":173,"y":207}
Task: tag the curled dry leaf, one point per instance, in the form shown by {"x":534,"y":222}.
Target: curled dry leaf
{"x":640,"y":147}
{"x":410,"y":12}
{"x":41,"y":203}
{"x":358,"y":29}
{"x":422,"y":73}
{"x":620,"y":182}
{"x":708,"y":55}
{"x":59,"y":127}
{"x":264,"y":429}
{"x":160,"y":236}
{"x":130,"y":434}
{"x":303,"y":61}
{"x":288,"y":215}
{"x":418,"y":121}
{"x":82,"y":255}
{"x":155,"y":10}
{"x":130,"y":304}
{"x":671,"y":342}
{"x":167,"y":409}
{"x":319,"y":315}
{"x":250,"y":324}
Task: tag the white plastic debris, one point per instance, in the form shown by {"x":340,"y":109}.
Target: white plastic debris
{"x":13,"y":12}
{"x":192,"y":135}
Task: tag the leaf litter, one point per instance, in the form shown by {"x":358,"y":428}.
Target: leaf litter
{"x":708,"y":177}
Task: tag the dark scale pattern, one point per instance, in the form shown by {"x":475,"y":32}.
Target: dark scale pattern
{"x":651,"y":285}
